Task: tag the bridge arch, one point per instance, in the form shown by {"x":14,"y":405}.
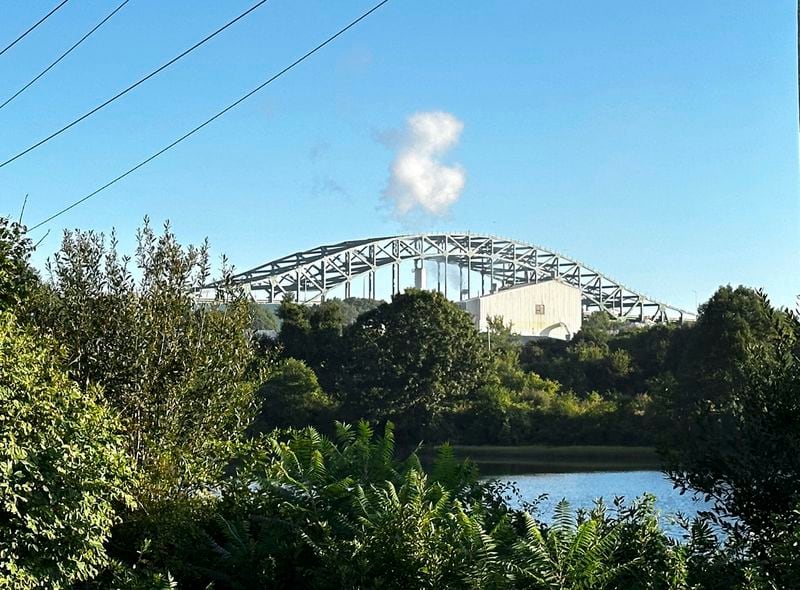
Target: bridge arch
{"x":311,"y":275}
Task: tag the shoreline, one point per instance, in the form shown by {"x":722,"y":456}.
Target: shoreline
{"x":516,"y":460}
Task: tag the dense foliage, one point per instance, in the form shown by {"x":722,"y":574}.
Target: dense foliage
{"x":305,"y":511}
{"x":18,"y":281}
{"x":291,"y":395}
{"x":178,"y":374}
{"x":139,"y":450}
{"x":410,"y":359}
{"x":419,"y":361}
{"x":63,"y":468}
{"x":735,"y":424}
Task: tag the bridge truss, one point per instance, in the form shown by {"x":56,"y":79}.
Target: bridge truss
{"x":311,"y":275}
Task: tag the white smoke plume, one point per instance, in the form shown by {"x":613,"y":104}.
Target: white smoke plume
{"x":419,"y":181}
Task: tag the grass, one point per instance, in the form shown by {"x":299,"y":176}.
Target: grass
{"x":497,"y":460}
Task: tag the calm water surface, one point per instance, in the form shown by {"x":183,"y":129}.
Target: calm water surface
{"x":581,"y":489}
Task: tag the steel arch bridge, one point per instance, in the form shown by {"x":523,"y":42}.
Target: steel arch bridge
{"x":310,"y":276}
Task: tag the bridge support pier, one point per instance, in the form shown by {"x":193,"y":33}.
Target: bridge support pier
{"x":469,"y":277}
{"x":395,"y":279}
{"x":445,"y":277}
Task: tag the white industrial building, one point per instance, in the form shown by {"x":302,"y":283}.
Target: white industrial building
{"x":549,"y":309}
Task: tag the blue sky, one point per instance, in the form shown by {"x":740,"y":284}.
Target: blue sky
{"x":656,"y":142}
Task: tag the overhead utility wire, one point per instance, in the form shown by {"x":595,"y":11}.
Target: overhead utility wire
{"x":40,"y":21}
{"x":134,"y":85}
{"x":215,"y":117}
{"x":65,"y":54}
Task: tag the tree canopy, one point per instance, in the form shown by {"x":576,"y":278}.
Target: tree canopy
{"x":735,"y":419}
{"x":17,"y":279}
{"x":291,"y":395}
{"x":411,"y":358}
{"x":179,"y":374}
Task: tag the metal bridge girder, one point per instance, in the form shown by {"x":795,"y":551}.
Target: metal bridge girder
{"x":311,"y":274}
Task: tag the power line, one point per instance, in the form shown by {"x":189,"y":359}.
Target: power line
{"x":135,"y":84}
{"x":65,"y":54}
{"x":215,"y":117}
{"x":25,"y":34}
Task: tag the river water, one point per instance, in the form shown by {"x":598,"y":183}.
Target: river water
{"x":581,"y":489}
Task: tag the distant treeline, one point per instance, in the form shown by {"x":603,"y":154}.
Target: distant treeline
{"x":419,"y":362}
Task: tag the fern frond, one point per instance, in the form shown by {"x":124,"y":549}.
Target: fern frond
{"x":344,"y":433}
{"x":563,"y":519}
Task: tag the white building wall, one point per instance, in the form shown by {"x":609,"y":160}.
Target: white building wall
{"x":558,"y":306}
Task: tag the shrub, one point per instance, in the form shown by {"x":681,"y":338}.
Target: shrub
{"x":291,"y":396}
{"x":180,"y":374}
{"x":63,"y":468}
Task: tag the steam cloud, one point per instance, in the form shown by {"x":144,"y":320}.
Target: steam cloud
{"x":419,"y":181}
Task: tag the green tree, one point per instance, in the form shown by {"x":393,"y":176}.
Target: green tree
{"x":180,"y":374}
{"x":355,"y":306}
{"x":655,"y":352}
{"x":718,"y":352}
{"x":501,"y":340}
{"x":598,"y":328}
{"x":728,"y":326}
{"x":736,"y":419}
{"x":746,"y":454}
{"x":295,"y":328}
{"x":17,"y":279}
{"x":410,"y":359}
{"x":291,"y":396}
{"x":324,"y":346}
{"x":313,"y":333}
{"x":617,"y":368}
{"x":262,"y":318}
{"x":547,"y":357}
{"x":63,"y":468}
